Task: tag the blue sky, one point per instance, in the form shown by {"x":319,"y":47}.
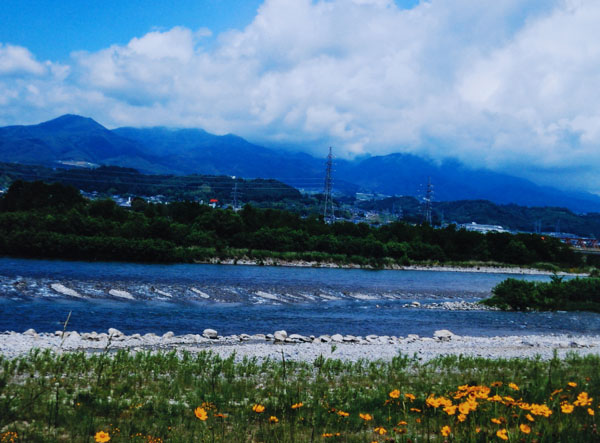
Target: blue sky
{"x":507,"y":85}
{"x":54,"y":29}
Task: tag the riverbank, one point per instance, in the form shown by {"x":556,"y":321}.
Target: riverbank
{"x":305,"y":348}
{"x":478,"y":268}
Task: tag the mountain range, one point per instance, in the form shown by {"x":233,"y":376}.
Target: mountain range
{"x":72,"y":138}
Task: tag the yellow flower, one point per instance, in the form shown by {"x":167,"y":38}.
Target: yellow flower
{"x":513,"y":386}
{"x":541,"y":410}
{"x":496,"y":384}
{"x":462,"y":417}
{"x":259,"y":409}
{"x":380,"y":430}
{"x":415,"y":410}
{"x":365,"y":417}
{"x":566,"y":407}
{"x":497,"y":421}
{"x":343,"y":414}
{"x":402,"y":423}
{"x":102,"y":437}
{"x":410,"y":397}
{"x":273,"y":419}
{"x":591,"y":411}
{"x":297,"y":405}
{"x":395,"y":394}
{"x":446,"y":431}
{"x":327,"y":435}
{"x":525,"y":429}
{"x":572,"y":384}
{"x":502,"y":434}
{"x":201,"y":413}
{"x":529,"y":417}
{"x":450,"y":410}
{"x":583,"y":400}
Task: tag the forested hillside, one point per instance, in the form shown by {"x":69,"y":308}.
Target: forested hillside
{"x":40,"y":220}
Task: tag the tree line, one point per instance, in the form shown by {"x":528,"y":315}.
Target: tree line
{"x":55,"y":221}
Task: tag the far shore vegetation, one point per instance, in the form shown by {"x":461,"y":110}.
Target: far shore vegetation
{"x":157,"y":397}
{"x":41,"y":220}
{"x":579,"y":294}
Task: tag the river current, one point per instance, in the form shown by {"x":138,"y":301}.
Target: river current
{"x":187,"y":298}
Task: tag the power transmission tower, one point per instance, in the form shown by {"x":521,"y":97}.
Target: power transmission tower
{"x":427,"y":201}
{"x":235,"y":194}
{"x":328,"y":204}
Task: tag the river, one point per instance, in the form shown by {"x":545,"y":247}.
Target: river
{"x":186,"y":298}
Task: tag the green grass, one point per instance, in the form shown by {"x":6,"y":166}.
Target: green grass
{"x":147,"y":397}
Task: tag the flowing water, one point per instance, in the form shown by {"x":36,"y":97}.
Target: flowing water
{"x":186,"y":298}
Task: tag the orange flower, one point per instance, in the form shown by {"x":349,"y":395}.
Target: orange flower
{"x":402,"y":423}
{"x":496,"y":384}
{"x":259,"y":409}
{"x":572,"y":384}
{"x":583,"y":400}
{"x":273,"y":419}
{"x":566,"y":407}
{"x":502,"y":434}
{"x":394,"y":394}
{"x":591,"y":411}
{"x":415,"y":410}
{"x":220,"y":415}
{"x":446,"y":431}
{"x":343,"y":414}
{"x":297,"y":405}
{"x":102,"y":437}
{"x":525,"y":429}
{"x":380,"y":430}
{"x":529,"y":417}
{"x":513,"y":386}
{"x":450,"y":410}
{"x":496,"y":420}
{"x":410,"y":397}
{"x":462,"y":417}
{"x":365,"y":417}
{"x":201,"y":413}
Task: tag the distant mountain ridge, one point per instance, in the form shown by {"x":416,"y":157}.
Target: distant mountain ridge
{"x":195,"y":151}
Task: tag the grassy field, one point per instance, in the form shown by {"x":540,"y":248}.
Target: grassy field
{"x":146,"y":397}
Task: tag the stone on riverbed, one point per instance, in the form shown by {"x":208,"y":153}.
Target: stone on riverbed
{"x":210,"y":333}
{"x":280,"y":335}
{"x":337,"y":338}
{"x":443,"y":335}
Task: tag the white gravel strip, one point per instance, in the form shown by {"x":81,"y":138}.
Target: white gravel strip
{"x":297,"y":347}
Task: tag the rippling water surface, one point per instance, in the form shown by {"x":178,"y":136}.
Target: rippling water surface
{"x":253,"y":299}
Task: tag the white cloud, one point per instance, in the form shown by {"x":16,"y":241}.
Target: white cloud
{"x":498,"y":84}
{"x":18,"y":60}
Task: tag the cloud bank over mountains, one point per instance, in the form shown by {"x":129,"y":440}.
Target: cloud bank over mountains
{"x":508,"y":85}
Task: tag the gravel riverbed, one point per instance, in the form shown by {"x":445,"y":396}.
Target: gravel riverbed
{"x":306,"y":348}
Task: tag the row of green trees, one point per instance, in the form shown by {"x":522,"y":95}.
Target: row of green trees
{"x":41,"y":220}
{"x":558,"y":294}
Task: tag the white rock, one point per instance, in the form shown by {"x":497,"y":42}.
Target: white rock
{"x":168,"y":335}
{"x":121,"y":294}
{"x":280,"y":335}
{"x":30,"y":332}
{"x":112,"y":332}
{"x":210,"y":333}
{"x":62,"y":289}
{"x":443,"y":335}
{"x":337,"y":338}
